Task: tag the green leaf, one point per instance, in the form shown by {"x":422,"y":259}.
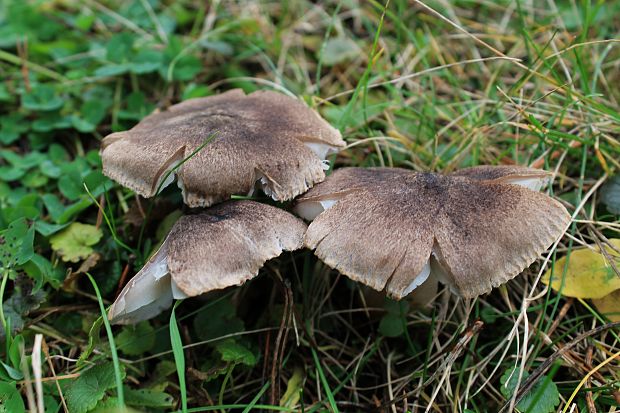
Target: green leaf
{"x":391,"y":325}
{"x":12,"y":372}
{"x":134,"y":340}
{"x":50,"y":121}
{"x":53,"y":206}
{"x":148,"y":398}
{"x":91,"y":114}
{"x":542,"y":398}
{"x":112,"y":70}
{"x":338,"y":50}
{"x":74,"y":243}
{"x":11,"y":173}
{"x":70,"y":185}
{"x":193,"y":90}
{"x":22,"y":301}
{"x":146,"y":61}
{"x":42,"y":271}
{"x":166,"y":224}
{"x":137,"y":107}
{"x":179,"y":64}
{"x":93,"y":340}
{"x":85,"y":392}
{"x":217,"y":320}
{"x":10,"y":399}
{"x":120,"y":47}
{"x":11,"y":127}
{"x":16,"y":244}
{"x":5,"y":96}
{"x":42,"y":98}
{"x":233,"y":352}
{"x":47,"y":229}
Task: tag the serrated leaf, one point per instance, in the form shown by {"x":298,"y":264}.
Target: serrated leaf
{"x":86,"y":391}
{"x":588,"y":274}
{"x":74,"y":243}
{"x":609,"y":305}
{"x":233,"y":352}
{"x":542,"y":398}
{"x":134,"y":340}
{"x":147,"y":398}
{"x":16,"y":244}
{"x":110,"y":405}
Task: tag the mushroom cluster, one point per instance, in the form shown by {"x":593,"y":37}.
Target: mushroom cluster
{"x":389,"y":228}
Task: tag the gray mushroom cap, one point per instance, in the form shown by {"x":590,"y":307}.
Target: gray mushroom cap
{"x":223,"y":246}
{"x":390,"y":228}
{"x":263,"y":138}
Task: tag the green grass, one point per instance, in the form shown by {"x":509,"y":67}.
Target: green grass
{"x":432,"y":86}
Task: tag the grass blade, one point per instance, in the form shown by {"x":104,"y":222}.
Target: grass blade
{"x":256,"y":398}
{"x":179,"y":356}
{"x":117,"y":368}
{"x":328,"y":391}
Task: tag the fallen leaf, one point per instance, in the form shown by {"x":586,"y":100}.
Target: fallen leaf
{"x":609,"y":305}
{"x":92,"y":260}
{"x":294,"y":387}
{"x":588,"y":273}
{"x":74,"y":242}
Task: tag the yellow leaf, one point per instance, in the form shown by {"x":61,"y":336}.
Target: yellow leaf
{"x":588,"y":275}
{"x":293,"y":389}
{"x":609,"y":305}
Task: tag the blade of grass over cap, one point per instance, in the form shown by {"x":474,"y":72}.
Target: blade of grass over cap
{"x":161,"y":184}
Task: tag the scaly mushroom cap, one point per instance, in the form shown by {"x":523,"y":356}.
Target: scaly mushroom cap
{"x":389,"y":228}
{"x":264,"y":137}
{"x":223,"y":246}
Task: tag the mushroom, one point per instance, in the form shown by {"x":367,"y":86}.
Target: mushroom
{"x":263,"y":139}
{"x":224,"y":245}
{"x":390,"y":228}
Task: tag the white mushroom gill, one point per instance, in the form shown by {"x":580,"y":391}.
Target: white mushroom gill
{"x":166,"y":179}
{"x":147,"y":294}
{"x":264,"y":184}
{"x":535,"y":183}
{"x":419,"y":279}
{"x":309,"y":210}
{"x":321,"y":150}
